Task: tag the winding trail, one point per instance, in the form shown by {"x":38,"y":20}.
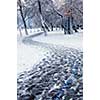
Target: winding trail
{"x":57,"y":77}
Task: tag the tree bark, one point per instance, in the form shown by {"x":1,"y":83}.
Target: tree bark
{"x":73,"y":25}
{"x":51,"y":26}
{"x":69,"y":29}
{"x":20,"y":32}
{"x":43,"y":23}
{"x":24,"y":22}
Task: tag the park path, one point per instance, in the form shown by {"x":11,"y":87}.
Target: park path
{"x":58,"y":76}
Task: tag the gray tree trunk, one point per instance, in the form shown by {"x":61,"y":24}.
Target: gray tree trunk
{"x":24,"y":22}
{"x":43,"y":23}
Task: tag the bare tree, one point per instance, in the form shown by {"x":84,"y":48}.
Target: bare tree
{"x":21,"y":13}
{"x":71,"y":13}
{"x":46,"y":15}
{"x":43,"y":23}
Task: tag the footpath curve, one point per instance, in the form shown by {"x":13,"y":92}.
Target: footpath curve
{"x":57,"y":77}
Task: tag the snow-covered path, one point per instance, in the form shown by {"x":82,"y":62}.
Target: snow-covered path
{"x":31,"y":49}
{"x":58,"y":75}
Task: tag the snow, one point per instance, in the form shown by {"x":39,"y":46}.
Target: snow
{"x":29,"y":59}
{"x":30,"y":31}
{"x":58,"y":38}
{"x":28,"y":55}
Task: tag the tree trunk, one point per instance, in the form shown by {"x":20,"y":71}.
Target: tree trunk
{"x":46,"y":26}
{"x":64,"y":25}
{"x":20,"y":32}
{"x":65,"y":31}
{"x":69,"y":26}
{"x":43,"y":24}
{"x":24,"y":22}
{"x":73,"y":25}
{"x":51,"y":26}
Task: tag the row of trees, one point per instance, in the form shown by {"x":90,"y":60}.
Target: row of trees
{"x":46,"y":15}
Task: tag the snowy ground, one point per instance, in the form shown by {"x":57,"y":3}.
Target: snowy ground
{"x":28,"y":55}
{"x":30,"y":31}
{"x":47,"y":68}
{"x":58,"y":38}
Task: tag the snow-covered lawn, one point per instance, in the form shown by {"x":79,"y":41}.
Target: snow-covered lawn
{"x":57,"y":37}
{"x":27,"y":56}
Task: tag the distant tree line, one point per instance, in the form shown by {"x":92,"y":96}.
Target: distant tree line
{"x":45,"y":15}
